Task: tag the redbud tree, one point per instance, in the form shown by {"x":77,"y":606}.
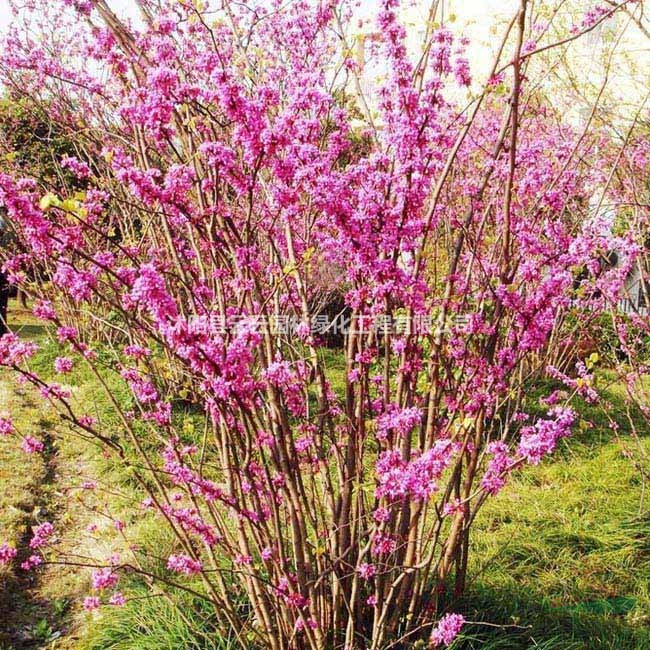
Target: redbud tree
{"x":231,"y":168}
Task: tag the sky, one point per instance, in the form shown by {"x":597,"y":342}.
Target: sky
{"x":480,"y":21}
{"x":473,"y":8}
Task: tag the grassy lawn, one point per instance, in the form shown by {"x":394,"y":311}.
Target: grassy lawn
{"x":560,"y":558}
{"x":564,"y":550}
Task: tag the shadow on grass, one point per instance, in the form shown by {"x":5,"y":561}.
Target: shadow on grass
{"x":29,"y":331}
{"x":518,"y":620}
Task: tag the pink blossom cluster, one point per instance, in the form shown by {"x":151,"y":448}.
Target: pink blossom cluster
{"x":397,"y":421}
{"x":104,"y":579}
{"x":78,"y":167}
{"x":542,"y":438}
{"x":447,"y":629}
{"x":63,"y":365}
{"x":41,"y":535}
{"x":31,"y":562}
{"x":31,"y":445}
{"x":7,"y":553}
{"x":6,"y":426}
{"x":183,"y":564}
{"x":417,"y":478}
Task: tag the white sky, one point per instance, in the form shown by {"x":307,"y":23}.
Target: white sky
{"x":480,"y":21}
{"x":475,"y":8}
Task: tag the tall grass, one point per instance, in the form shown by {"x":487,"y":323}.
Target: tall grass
{"x":560,"y":559}
{"x":155,"y":623}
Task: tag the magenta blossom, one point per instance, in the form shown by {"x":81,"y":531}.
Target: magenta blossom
{"x":31,"y":445}
{"x":7,"y":553}
{"x":183,"y":564}
{"x":63,"y":365}
{"x":447,"y":629}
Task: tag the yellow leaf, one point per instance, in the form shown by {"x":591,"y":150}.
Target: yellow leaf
{"x":69,"y":205}
{"x":48,"y":201}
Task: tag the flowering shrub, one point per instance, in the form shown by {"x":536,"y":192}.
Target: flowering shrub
{"x":219,"y":146}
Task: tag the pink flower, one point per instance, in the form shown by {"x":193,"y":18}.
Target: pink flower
{"x":397,"y":479}
{"x":542,"y":438}
{"x":63,"y":365}
{"x":149,"y":291}
{"x":304,"y":443}
{"x":447,"y":629}
{"x":184,"y":564}
{"x":55,"y":391}
{"x":367,"y":571}
{"x":300,"y":624}
{"x":14,"y":351}
{"x":529,"y":46}
{"x":496,"y":474}
{"x":41,"y":534}
{"x":66,"y":334}
{"x":80,"y":284}
{"x":79,"y":168}
{"x":353,"y":375}
{"x":103,"y":579}
{"x":397,"y":420}
{"x":136,"y":351}
{"x":43,"y":309}
{"x":6,"y":426}
{"x":87,"y":421}
{"x":381,"y":514}
{"x":265,"y":439}
{"x":31,"y":562}
{"x":117,"y":599}
{"x":91,"y":603}
{"x":383,"y":544}
{"x":462,"y":72}
{"x":453,"y":507}
{"x":7,"y":554}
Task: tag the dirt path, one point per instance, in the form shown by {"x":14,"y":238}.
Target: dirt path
{"x":26,"y":482}
{"x":39,"y":607}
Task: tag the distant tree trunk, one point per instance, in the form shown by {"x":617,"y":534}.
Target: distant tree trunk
{"x":4,"y":300}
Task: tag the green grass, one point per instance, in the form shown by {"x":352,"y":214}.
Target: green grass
{"x":560,"y":559}
{"x":19,"y":496}
{"x":563,"y":553}
{"x":335,"y":369}
{"x":153,"y":623}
